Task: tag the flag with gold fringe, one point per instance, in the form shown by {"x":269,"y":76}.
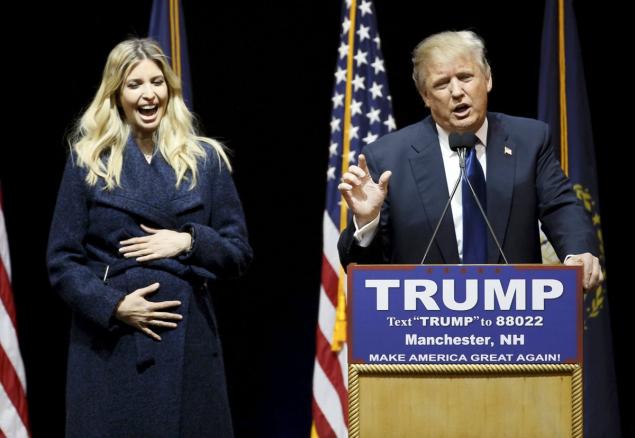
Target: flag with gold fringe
{"x":563,"y":103}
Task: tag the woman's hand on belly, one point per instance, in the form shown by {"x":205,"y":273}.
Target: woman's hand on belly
{"x":158,"y":244}
{"x":142,"y":314}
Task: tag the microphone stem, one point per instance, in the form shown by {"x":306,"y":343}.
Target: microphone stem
{"x":447,"y":204}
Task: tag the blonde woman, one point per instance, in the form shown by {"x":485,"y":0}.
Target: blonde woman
{"x":147,"y":219}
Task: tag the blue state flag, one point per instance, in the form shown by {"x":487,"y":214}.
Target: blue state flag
{"x":167,"y":27}
{"x":563,"y":104}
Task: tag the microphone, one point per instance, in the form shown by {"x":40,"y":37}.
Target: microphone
{"x":461,"y":143}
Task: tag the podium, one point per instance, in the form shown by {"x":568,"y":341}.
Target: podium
{"x":465,"y":351}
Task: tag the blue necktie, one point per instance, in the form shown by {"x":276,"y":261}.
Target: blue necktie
{"x":474,"y":228}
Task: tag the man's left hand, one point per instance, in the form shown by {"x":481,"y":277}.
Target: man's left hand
{"x":591,"y":270}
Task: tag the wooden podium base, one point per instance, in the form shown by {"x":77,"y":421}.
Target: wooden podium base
{"x":457,"y":401}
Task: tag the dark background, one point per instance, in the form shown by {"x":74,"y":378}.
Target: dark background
{"x":262,"y":76}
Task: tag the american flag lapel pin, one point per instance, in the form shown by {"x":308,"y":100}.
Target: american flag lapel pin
{"x":508,"y":151}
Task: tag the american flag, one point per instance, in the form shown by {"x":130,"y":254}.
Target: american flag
{"x":361,"y":114}
{"x":14,"y":418}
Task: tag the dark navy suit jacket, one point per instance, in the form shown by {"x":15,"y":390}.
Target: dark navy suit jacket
{"x":524,"y":184}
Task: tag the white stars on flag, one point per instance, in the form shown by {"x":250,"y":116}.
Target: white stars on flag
{"x":364,"y":7}
{"x":363,"y":33}
{"x":378,"y":65}
{"x":338,"y":100}
{"x":340,"y":75}
{"x":370,"y":137}
{"x":373,"y":116}
{"x":333,"y":149}
{"x":358,"y":83}
{"x":343,"y":50}
{"x":346,"y":25}
{"x":360,"y":58}
{"x":390,"y":123}
{"x":335,"y":124}
{"x":352,"y":132}
{"x":375,"y":90}
{"x":356,"y":107}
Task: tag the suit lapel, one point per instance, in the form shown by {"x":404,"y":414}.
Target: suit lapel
{"x":182,"y":199}
{"x":429,"y":175}
{"x":501,"y":166}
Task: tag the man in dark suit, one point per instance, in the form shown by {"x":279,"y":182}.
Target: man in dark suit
{"x":524,"y":182}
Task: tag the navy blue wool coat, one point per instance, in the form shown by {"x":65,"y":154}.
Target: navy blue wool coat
{"x":120,"y":382}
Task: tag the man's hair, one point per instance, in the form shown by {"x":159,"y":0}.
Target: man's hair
{"x":444,"y":46}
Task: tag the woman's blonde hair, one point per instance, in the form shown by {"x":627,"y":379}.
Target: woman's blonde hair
{"x":101,"y":133}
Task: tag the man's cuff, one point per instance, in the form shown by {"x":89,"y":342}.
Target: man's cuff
{"x":365,"y":235}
